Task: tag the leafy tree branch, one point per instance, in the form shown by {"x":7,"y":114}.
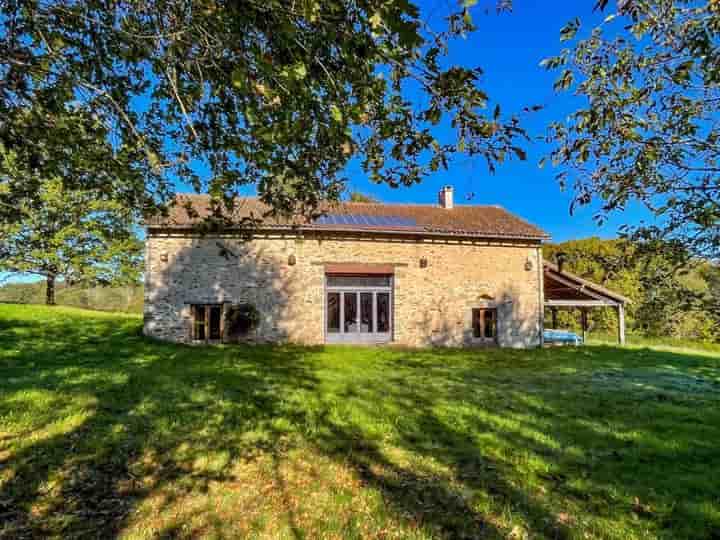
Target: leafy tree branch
{"x":273,"y":94}
{"x":649,"y":130}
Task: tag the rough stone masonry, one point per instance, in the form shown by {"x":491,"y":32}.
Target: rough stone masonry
{"x":432,"y":304}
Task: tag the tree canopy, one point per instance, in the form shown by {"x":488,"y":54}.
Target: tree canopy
{"x":649,"y":128}
{"x":76,"y":235}
{"x":279,"y":95}
{"x":359,"y":197}
{"x":43,"y":141}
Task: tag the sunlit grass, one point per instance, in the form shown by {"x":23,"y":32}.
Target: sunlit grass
{"x":105,"y":433}
{"x":636,"y":341}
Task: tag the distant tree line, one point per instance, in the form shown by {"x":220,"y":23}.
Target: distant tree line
{"x":670,"y":296}
{"x":128,"y":299}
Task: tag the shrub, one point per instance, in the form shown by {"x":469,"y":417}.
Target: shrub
{"x":241,"y":320}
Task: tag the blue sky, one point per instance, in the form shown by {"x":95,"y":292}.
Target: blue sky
{"x":509,"y":47}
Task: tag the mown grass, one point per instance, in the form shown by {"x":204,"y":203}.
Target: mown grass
{"x":658,"y":343}
{"x":104,"y":433}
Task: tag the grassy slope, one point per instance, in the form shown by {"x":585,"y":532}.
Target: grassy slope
{"x":103,"y":432}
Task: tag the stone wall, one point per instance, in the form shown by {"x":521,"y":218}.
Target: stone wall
{"x":432,"y":305}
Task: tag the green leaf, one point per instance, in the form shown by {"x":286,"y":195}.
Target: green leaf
{"x":565,"y":81}
{"x":682,"y":72}
{"x":467,"y":18}
{"x":300,"y":70}
{"x":376,"y":21}
{"x":569,"y":31}
{"x":153,"y":159}
{"x":336,"y":113}
{"x":239,"y":77}
{"x":433,"y":115}
{"x":639,"y":30}
{"x":246,"y":97}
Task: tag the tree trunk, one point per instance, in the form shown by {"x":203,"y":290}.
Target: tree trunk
{"x":50,"y":291}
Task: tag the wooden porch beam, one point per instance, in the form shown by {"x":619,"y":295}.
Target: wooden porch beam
{"x":579,"y":287}
{"x":580,"y":303}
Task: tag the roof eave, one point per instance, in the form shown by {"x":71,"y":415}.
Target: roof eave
{"x":305,"y":228}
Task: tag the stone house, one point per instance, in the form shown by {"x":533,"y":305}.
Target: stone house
{"x":414,"y":275}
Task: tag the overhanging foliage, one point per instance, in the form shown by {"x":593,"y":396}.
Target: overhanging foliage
{"x":276,"y":94}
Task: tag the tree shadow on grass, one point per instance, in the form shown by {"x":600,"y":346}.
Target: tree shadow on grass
{"x":641,"y":445}
{"x":459,"y":444}
{"x":591,"y":443}
{"x":148,"y":414}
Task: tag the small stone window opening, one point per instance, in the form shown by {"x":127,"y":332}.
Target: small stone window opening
{"x":207,"y":324}
{"x":484,"y":322}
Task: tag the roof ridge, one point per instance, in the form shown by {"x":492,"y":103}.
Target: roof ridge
{"x":428,"y":205}
{"x":364,"y":203}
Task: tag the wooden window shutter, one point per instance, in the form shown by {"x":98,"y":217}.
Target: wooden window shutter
{"x":191,"y":324}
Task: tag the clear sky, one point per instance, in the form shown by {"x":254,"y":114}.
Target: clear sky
{"x":509,"y":47}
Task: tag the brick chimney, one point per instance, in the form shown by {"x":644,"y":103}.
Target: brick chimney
{"x":445,"y":197}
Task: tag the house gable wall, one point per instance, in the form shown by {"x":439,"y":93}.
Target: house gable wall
{"x":432,"y":305}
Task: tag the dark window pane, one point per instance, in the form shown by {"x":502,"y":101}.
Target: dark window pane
{"x":383,"y":312}
{"x":215,"y":313}
{"x":358,"y":281}
{"x":333,"y":312}
{"x":350,"y":300}
{"x":490,"y":323}
{"x":477,"y":323}
{"x":199,"y":323}
{"x":484,"y":323}
{"x":366,"y":312}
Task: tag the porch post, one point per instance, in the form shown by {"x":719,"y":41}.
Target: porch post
{"x":621,"y":324}
{"x":584,"y":322}
{"x":554,"y":318}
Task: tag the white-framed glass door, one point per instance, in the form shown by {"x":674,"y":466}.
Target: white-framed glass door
{"x":358,"y":309}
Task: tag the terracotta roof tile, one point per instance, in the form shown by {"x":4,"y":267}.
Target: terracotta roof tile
{"x":462,"y":220}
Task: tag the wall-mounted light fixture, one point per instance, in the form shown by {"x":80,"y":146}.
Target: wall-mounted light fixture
{"x":528,"y":265}
{"x":292,"y":260}
{"x":423,"y":263}
{"x":164,"y":257}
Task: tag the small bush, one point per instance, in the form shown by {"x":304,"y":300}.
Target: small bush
{"x":241,"y":320}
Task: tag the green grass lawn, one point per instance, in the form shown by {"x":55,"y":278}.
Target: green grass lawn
{"x":658,"y":343}
{"x":104,"y":433}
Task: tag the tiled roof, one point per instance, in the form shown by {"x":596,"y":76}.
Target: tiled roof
{"x":462,"y":220}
